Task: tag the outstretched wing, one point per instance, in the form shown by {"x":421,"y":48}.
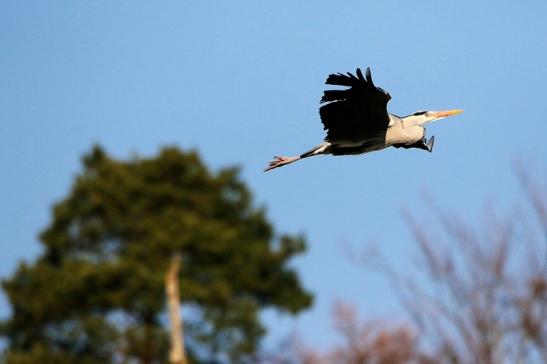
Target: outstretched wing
{"x":355,"y":114}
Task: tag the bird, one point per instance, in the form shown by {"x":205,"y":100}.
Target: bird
{"x":356,"y":121}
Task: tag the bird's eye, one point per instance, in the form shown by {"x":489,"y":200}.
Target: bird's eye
{"x":419,"y":113}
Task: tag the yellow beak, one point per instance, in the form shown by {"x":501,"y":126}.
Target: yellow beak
{"x":444,"y":114}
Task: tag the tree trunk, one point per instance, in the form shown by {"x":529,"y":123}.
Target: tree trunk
{"x":176,"y":354}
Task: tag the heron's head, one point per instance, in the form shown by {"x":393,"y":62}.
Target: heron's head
{"x":424,"y":117}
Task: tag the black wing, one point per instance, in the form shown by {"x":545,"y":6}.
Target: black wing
{"x":356,"y":114}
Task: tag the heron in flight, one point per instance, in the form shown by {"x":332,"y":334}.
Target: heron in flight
{"x":357,"y":121}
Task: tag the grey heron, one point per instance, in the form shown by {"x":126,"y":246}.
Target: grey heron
{"x":357,"y":121}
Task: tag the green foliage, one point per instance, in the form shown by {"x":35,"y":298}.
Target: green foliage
{"x":96,"y":294}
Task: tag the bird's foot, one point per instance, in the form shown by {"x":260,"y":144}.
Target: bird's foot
{"x":429,"y":144}
{"x":280,"y":161}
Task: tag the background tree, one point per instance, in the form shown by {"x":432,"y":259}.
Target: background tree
{"x":363,"y":341}
{"x":96,"y":293}
{"x":479,"y":294}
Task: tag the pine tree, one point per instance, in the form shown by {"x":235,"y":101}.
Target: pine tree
{"x":96,"y":294}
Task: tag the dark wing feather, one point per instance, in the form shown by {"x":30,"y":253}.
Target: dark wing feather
{"x":357,"y":113}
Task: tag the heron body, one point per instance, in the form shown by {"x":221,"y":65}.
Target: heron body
{"x":357,"y":121}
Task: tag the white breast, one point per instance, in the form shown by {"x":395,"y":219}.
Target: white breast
{"x":399,"y":133}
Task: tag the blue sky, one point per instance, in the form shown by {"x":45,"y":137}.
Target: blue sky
{"x":240,"y":81}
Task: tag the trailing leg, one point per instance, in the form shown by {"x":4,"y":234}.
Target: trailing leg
{"x":280,"y":161}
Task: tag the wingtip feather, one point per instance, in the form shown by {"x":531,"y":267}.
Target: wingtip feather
{"x":359,"y":74}
{"x":369,"y":76}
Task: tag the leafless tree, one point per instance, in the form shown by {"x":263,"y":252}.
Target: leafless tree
{"x":364,"y":342}
{"x":479,"y":295}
